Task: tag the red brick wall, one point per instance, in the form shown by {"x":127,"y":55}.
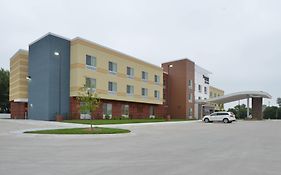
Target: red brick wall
{"x":136,"y":110}
{"x":177,"y":87}
{"x":18,"y":110}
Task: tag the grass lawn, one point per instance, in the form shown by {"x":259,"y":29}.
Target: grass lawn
{"x":96,"y":130}
{"x":123,"y":121}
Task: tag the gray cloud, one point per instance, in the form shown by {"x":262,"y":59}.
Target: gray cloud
{"x":239,"y":41}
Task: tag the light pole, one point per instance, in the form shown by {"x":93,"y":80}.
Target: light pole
{"x":56,"y":53}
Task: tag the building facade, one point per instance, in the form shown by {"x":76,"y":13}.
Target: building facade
{"x":47,"y":79}
{"x":18,"y":92}
{"x":179,"y":88}
{"x":57,"y":68}
{"x":216,"y":92}
{"x":202,"y":81}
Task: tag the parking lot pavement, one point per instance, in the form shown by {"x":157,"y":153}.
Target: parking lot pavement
{"x":196,"y":148}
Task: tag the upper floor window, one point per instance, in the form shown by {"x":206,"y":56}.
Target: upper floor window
{"x":199,"y":88}
{"x":144,"y":75}
{"x":112,"y":67}
{"x":90,"y":83}
{"x":190,"y":97}
{"x":91,"y":62}
{"x":156,"y":94}
{"x":112,"y":87}
{"x":157,"y":79}
{"x":130,"y":72}
{"x":144,"y":92}
{"x":211,"y":94}
{"x":205,"y":90}
{"x":190,"y":84}
{"x":130,"y":90}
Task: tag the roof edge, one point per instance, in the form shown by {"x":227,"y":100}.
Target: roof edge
{"x":52,"y":34}
{"x":20,"y":51}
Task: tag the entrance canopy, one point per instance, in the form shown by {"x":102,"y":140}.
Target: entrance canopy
{"x":235,"y":97}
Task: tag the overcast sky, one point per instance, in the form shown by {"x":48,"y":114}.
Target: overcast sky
{"x":238,"y":41}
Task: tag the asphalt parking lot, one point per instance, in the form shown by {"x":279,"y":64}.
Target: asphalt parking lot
{"x":194,"y":148}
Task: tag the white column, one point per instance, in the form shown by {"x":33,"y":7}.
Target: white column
{"x":248,"y":109}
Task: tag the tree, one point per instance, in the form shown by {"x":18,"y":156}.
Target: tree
{"x":278,"y":101}
{"x":240,"y":111}
{"x":271,"y":112}
{"x":4,"y":90}
{"x":89,"y":100}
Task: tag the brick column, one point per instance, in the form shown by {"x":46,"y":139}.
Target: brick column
{"x":257,"y":108}
{"x":18,"y":110}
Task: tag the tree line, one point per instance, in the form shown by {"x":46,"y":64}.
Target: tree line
{"x":4,"y":91}
{"x":269,"y":112}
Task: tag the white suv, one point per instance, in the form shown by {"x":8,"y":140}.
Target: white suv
{"x":225,"y":117}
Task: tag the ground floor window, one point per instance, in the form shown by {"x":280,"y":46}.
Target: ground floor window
{"x":84,"y":113}
{"x":190,"y":112}
{"x":107,"y":110}
{"x":151,"y":112}
{"x":125,"y":111}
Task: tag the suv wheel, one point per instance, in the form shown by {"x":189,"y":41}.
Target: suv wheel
{"x":225,"y":120}
{"x":206,"y":120}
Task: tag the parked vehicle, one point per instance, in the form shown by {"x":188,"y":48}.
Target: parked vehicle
{"x":225,"y":117}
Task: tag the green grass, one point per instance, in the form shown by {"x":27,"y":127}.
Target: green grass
{"x":123,"y":121}
{"x":96,"y":130}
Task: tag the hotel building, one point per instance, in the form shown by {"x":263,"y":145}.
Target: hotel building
{"x":46,"y":80}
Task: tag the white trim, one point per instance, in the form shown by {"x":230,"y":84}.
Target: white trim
{"x":21,"y":100}
{"x":236,"y":96}
{"x":47,"y":35}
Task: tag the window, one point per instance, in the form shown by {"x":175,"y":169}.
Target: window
{"x":199,"y":88}
{"x":157,"y":79}
{"x":112,"y":67}
{"x":90,"y":83}
{"x":91,"y":62}
{"x":152,"y":112}
{"x":199,"y":98}
{"x":214,"y":114}
{"x":130,"y":72}
{"x":144,"y":76}
{"x":211,"y":94}
{"x":144,"y":92}
{"x":130,"y":90}
{"x":205,"y":90}
{"x":125,"y":111}
{"x":190,"y":84}
{"x":190,"y":97}
{"x":84,"y":113}
{"x":112,"y":87}
{"x":190,"y":112}
{"x":157,"y":94}
{"x":107,"y":110}
{"x":215,"y":95}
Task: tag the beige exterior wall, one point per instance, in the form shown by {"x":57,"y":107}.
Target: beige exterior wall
{"x":78,"y":72}
{"x":215,"y":92}
{"x":18,"y":73}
